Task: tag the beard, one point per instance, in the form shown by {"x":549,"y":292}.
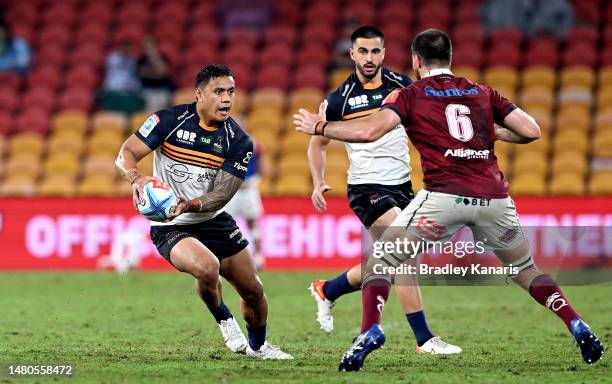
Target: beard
{"x":364,"y":74}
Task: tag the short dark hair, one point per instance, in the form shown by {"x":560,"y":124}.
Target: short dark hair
{"x":212,"y":71}
{"x":367,"y":32}
{"x":433,"y":46}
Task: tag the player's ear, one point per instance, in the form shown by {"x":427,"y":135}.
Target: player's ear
{"x":198,"y":94}
{"x":352,"y":53}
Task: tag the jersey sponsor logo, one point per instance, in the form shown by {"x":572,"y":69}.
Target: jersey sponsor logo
{"x":452,"y":92}
{"x":185,"y":137}
{"x":183,"y":115}
{"x":148,"y":125}
{"x":358,"y":101}
{"x":179,"y":173}
{"x":378,"y":96}
{"x":240,"y":167}
{"x":247,"y":157}
{"x":205,"y":140}
{"x":375,"y":198}
{"x":391,"y":97}
{"x":473,"y":201}
{"x":231,"y":131}
{"x":396,"y":76}
{"x":346,"y":88}
{"x":467,"y":154}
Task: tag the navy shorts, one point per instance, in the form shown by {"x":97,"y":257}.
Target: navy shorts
{"x":220,"y":235}
{"x":371,"y":201}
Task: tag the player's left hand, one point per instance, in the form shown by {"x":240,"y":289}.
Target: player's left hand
{"x":181,"y":207}
{"x":306,"y":122}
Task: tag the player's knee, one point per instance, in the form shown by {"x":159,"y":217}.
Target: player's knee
{"x":254,"y":293}
{"x":206,"y":271}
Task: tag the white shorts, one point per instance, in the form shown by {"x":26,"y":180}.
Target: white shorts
{"x":436,"y":216}
{"x":246,"y":203}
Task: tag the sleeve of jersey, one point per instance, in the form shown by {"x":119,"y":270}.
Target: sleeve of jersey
{"x":238,"y":157}
{"x":155,"y":129}
{"x":501,"y":107}
{"x":396,"y":101}
{"x":333,"y":111}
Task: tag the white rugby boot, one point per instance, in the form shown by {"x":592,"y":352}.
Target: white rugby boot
{"x":324,"y":306}
{"x":232,"y":335}
{"x":268,"y":352}
{"x":436,"y":346}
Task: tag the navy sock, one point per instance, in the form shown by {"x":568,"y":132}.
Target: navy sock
{"x":337,"y":287}
{"x":418,"y":323}
{"x":257,"y":336}
{"x":221,"y":312}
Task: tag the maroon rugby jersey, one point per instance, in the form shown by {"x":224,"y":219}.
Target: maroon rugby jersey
{"x":450,"y":122}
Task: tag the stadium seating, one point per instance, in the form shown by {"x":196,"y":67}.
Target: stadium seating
{"x":50,"y":117}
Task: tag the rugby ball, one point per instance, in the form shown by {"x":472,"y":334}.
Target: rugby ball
{"x":157,"y":201}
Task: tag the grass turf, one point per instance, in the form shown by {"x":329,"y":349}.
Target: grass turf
{"x":151,"y":327}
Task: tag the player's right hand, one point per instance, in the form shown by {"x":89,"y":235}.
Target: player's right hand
{"x":318,"y":200}
{"x":137,"y":188}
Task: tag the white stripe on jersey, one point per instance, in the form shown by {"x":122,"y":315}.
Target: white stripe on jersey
{"x":395,"y":81}
{"x":177,"y":127}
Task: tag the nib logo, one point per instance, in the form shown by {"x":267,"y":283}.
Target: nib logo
{"x":555,"y":302}
{"x":381,"y":303}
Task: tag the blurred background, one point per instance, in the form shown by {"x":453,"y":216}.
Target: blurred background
{"x":77,"y":77}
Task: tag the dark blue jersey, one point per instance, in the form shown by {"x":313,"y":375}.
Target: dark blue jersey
{"x":188,"y":154}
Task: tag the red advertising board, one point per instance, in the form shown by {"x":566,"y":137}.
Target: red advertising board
{"x":55,"y":233}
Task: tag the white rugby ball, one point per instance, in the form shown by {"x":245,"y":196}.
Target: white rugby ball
{"x":157,"y":201}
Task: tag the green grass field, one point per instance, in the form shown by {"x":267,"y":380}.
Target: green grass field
{"x":151,"y":327}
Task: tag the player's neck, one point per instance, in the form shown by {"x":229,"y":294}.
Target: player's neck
{"x":207,"y":123}
{"x":433,"y":71}
{"x":365,"y":81}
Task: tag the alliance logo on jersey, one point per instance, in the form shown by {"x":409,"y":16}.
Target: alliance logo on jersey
{"x":358,"y":101}
{"x":467,"y":154}
{"x":148,"y":125}
{"x":185,"y":137}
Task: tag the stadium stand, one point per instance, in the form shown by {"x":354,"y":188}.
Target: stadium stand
{"x":54,"y":140}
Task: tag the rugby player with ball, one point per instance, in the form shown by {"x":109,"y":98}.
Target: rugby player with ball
{"x":202,"y":155}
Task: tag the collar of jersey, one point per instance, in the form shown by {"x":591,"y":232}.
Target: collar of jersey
{"x":372,"y":86}
{"x":438,"y":71}
{"x":206,"y":127}
{"x":368,"y":87}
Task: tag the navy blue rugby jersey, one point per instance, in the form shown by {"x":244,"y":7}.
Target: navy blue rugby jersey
{"x":386,"y":160}
{"x":188,"y":154}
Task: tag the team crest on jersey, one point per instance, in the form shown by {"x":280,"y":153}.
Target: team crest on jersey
{"x":218,"y":145}
{"x":391,"y":97}
{"x":148,"y":125}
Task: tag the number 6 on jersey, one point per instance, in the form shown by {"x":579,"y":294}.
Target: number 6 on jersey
{"x":459,"y":124}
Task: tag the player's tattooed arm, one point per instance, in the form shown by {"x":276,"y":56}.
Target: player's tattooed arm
{"x":225,"y":187}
